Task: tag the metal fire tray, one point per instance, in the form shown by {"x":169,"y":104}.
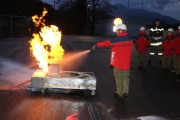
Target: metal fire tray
{"x":64,"y":80}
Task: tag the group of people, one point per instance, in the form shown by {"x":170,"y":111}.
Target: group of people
{"x":168,"y":48}
{"x":121,"y":50}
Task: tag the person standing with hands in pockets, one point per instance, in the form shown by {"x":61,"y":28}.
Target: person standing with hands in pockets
{"x":120,"y":59}
{"x":167,"y":47}
{"x":176,"y":50}
{"x":142,"y":43}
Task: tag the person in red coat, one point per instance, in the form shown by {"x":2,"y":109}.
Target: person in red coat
{"x":120,"y":59}
{"x":176,"y":50}
{"x":142,"y":43}
{"x":167,"y":47}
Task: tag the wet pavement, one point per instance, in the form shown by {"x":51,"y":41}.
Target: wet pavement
{"x":153,"y":93}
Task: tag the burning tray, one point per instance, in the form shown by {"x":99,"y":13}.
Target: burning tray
{"x":64,"y":80}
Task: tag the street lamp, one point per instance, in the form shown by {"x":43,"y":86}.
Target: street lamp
{"x":87,"y":18}
{"x":117,"y":21}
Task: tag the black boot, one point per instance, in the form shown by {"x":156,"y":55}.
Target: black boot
{"x":160,"y":62}
{"x":115,"y":95}
{"x":142,"y":64}
{"x":149,"y":62}
{"x":124,"y":96}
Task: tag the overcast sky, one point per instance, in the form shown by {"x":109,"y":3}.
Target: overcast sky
{"x":166,"y":7}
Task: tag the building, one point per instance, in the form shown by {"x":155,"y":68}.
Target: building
{"x":105,"y":27}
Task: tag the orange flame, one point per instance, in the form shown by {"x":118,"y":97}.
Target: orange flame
{"x":45,"y":45}
{"x":39,"y":20}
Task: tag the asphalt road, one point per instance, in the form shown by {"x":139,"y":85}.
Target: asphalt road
{"x":153,"y":94}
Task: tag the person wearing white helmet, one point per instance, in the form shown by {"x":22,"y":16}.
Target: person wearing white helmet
{"x":167,"y":47}
{"x":121,"y":50}
{"x":142,"y":29}
{"x":121,"y":27}
{"x":176,"y":51}
{"x":142,"y":42}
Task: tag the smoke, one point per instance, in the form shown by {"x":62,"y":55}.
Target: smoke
{"x":12,"y":73}
{"x":72,"y":61}
{"x":151,"y":118}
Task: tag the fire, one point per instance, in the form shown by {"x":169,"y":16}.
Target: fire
{"x":45,"y":45}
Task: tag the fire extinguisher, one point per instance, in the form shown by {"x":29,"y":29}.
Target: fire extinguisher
{"x":112,"y":57}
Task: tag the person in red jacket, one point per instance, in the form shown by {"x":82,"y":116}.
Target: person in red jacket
{"x":167,"y":47}
{"x":176,"y":50}
{"x":120,"y":59}
{"x":142,"y":43}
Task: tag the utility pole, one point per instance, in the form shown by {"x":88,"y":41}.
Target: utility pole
{"x":142,"y":14}
{"x":55,"y":4}
{"x":128,"y":13}
{"x":87,"y":19}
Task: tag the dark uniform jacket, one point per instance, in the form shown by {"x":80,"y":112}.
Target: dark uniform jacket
{"x":156,"y":34}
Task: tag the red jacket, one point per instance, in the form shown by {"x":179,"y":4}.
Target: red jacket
{"x":142,"y":42}
{"x":167,"y":46}
{"x":121,"y":49}
{"x":176,"y":44}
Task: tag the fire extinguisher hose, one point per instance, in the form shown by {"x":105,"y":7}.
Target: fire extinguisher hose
{"x":14,"y":87}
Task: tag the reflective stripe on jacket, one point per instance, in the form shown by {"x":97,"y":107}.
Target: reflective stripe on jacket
{"x":156,"y":35}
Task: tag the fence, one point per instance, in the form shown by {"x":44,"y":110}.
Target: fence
{"x":15,"y":26}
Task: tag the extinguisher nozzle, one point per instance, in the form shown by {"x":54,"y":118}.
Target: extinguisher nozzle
{"x":93,"y":48}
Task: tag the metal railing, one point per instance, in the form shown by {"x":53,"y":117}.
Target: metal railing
{"x":15,"y":26}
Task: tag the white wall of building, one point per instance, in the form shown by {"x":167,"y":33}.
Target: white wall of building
{"x":105,"y":27}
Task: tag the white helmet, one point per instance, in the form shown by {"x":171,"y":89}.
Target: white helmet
{"x":142,"y":28}
{"x":179,"y":27}
{"x":121,"y":27}
{"x":170,"y":30}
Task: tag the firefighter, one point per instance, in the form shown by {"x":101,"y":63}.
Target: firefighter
{"x":176,"y":50}
{"x":141,"y":46}
{"x":156,"y":37}
{"x":121,"y":49}
{"x":167,"y":47}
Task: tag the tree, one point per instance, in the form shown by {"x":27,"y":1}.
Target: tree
{"x":19,"y":7}
{"x":74,"y":13}
{"x":15,"y":14}
{"x":100,"y":10}
{"x":73,"y":16}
